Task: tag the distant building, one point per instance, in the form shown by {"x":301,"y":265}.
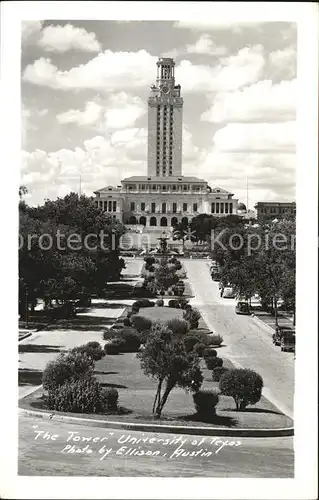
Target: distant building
{"x":275,"y":209}
{"x":164,"y":197}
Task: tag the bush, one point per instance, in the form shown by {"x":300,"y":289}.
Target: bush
{"x":199,"y":349}
{"x":143,"y":303}
{"x":131,"y":340}
{"x":178,"y":266}
{"x":205,"y":403}
{"x":218,"y":372}
{"x":141,"y":323}
{"x":83,"y":395}
{"x":150,"y":269}
{"x":212,"y":363}
{"x":66,"y":367}
{"x":192,"y":316}
{"x":183,"y":303}
{"x":178,"y":326}
{"x":135,"y":309}
{"x":112,"y":348}
{"x":111,"y":397}
{"x":91,"y":349}
{"x":243,"y":385}
{"x":127,"y":322}
{"x":190,"y":342}
{"x":215,"y":339}
{"x":149,"y":260}
{"x":173,"y":303}
{"x":160,"y":303}
{"x":210,"y":353}
{"x":129,"y":314}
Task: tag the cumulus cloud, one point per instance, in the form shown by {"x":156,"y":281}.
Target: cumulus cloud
{"x":262,"y":101}
{"x":119,"y":70}
{"x":283,"y":63}
{"x":205,"y":45}
{"x":30,"y":28}
{"x":68,"y":37}
{"x":276,"y":137}
{"x":28,"y":116}
{"x":231,"y":73}
{"x":119,"y":111}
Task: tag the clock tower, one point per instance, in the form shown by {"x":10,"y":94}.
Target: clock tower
{"x":165,"y":111}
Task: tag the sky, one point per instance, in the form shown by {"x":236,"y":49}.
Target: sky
{"x":84,"y":89}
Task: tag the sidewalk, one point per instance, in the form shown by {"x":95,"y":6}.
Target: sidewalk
{"x":284,"y":319}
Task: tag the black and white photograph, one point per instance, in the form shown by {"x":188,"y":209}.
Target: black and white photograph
{"x":161,"y":327}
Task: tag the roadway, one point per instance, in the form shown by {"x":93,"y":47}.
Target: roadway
{"x":69,"y":450}
{"x":247,"y":342}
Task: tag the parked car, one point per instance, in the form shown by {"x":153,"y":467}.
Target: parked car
{"x":242,"y":308}
{"x":215,"y":276}
{"x":228,"y":292}
{"x":288,"y":341}
{"x":280,"y":331}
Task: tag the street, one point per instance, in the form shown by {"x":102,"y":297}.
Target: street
{"x":49,"y":448}
{"x":247,"y":343}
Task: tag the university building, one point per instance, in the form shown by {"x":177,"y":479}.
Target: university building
{"x":164,"y":197}
{"x":275,"y":209}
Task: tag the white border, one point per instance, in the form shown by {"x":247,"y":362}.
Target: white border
{"x":304,"y":484}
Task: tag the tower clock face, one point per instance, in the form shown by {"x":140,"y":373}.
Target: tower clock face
{"x":165,"y":89}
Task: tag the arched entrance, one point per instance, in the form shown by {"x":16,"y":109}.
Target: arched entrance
{"x":143,"y":220}
{"x":174,"y":221}
{"x":163,"y":221}
{"x":132,"y":220}
{"x":153,"y":221}
{"x":185,"y":221}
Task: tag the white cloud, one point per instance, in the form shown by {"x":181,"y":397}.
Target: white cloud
{"x":27,"y":121}
{"x":231,"y":73}
{"x":262,"y":101}
{"x":30,"y":28}
{"x":68,"y":37}
{"x":277,"y":137}
{"x":119,"y":70}
{"x":107,"y":71}
{"x":283,"y":63}
{"x":120,"y":111}
{"x":217,"y":24}
{"x":205,"y":45}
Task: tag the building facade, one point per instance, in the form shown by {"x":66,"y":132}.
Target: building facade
{"x":164,"y":197}
{"x":275,"y":209}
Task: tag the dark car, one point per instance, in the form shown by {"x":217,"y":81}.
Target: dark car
{"x":242,"y":308}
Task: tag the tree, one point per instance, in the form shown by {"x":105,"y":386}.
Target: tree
{"x":243,"y":385}
{"x":164,"y":277}
{"x":181,"y":232}
{"x":166,"y":360}
{"x":22,"y":191}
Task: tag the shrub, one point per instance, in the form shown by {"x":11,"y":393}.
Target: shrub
{"x":91,"y":349}
{"x":129,"y":314}
{"x":183,"y":303}
{"x":127,"y":322}
{"x":192,"y":316}
{"x":131,"y":340}
{"x":190,"y":342}
{"x":199,"y":349}
{"x":215,"y":339}
{"x":149,"y":260}
{"x":173,"y":303}
{"x":205,"y":403}
{"x":218,"y":372}
{"x":135,"y":309}
{"x":160,"y":303}
{"x":112,"y":348}
{"x":212,"y":363}
{"x":178,"y":266}
{"x":111,"y":397}
{"x":141,"y":323}
{"x":243,"y":385}
{"x":151,"y":269}
{"x":143,"y":303}
{"x":178,"y":326}
{"x":83,"y":395}
{"x":66,"y":367}
{"x":210,"y":353}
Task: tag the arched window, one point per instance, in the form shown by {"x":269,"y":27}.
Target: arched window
{"x":174,"y":221}
{"x":185,"y":220}
{"x":163,"y":221}
{"x":143,"y":220}
{"x":132,"y":220}
{"x":153,"y":221}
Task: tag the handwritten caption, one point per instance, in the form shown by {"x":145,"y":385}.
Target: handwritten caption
{"x":119,"y":444}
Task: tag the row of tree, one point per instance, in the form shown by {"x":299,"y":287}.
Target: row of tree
{"x":68,"y":249}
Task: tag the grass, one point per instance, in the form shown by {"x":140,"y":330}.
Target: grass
{"x":161,"y":314}
{"x":137,"y":391}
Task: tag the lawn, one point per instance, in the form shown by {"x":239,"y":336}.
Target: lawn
{"x":161,"y":314}
{"x":137,"y":391}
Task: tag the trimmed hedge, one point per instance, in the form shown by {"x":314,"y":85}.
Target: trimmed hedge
{"x":205,"y":403}
{"x":218,"y":372}
{"x":178,"y":326}
{"x":215,"y":339}
{"x":112,"y":348}
{"x":244,"y":386}
{"x":67,"y":367}
{"x":210,"y":353}
{"x":92,"y":349}
{"x":212,"y":363}
{"x":84,"y":395}
{"x":141,"y":323}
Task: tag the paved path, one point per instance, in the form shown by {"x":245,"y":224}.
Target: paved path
{"x":43,"y":346}
{"x":169,"y":454}
{"x":248,"y":344}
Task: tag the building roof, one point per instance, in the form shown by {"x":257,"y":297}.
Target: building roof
{"x":275,"y":203}
{"x":241,"y":206}
{"x":145,"y":178}
{"x":108,"y":188}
